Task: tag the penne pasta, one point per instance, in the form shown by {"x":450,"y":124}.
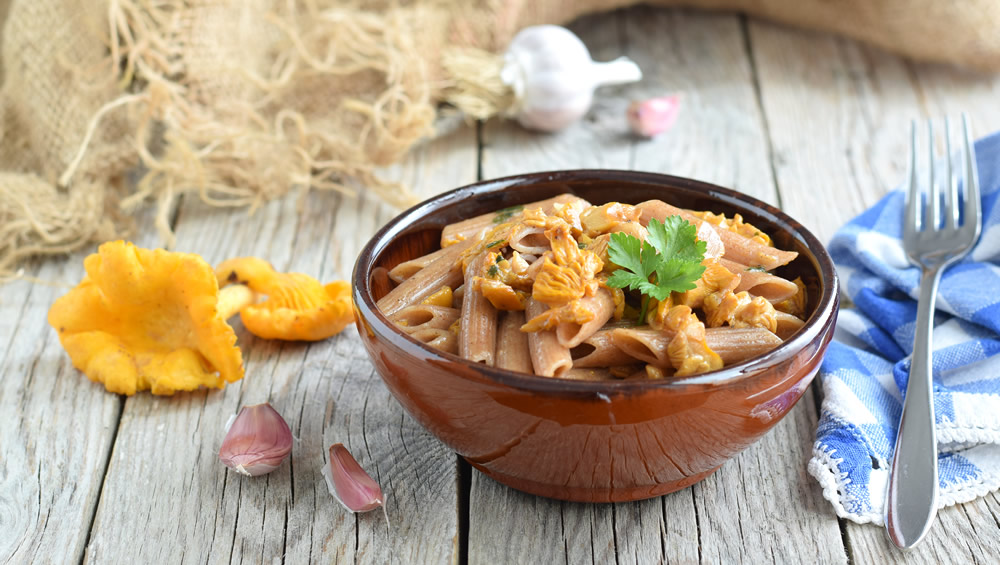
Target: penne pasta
{"x":788,"y":324}
{"x":459,"y":231}
{"x":732,"y":344}
{"x":599,"y":351}
{"x":773,"y":288}
{"x":529,"y":240}
{"x":478,"y":338}
{"x":512,"y":343}
{"x":423,"y":316}
{"x":601,"y":305}
{"x":645,"y":344}
{"x":407,"y":269}
{"x":548,"y":357}
{"x":738,"y":248}
{"x":443,"y":339}
{"x":739,"y":344}
{"x":443,"y":271}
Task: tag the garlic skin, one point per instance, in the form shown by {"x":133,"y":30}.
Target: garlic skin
{"x":653,"y":116}
{"x":553,"y":77}
{"x":349,"y":483}
{"x":257,"y":441}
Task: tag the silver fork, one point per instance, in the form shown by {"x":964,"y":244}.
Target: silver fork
{"x":913,"y":482}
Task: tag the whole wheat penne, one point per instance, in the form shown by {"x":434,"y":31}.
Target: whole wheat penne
{"x":645,"y":344}
{"x":478,"y":339}
{"x":738,"y":344}
{"x":601,"y":305}
{"x":512,"y":343}
{"x":443,"y":339}
{"x":548,"y":357}
{"x":787,"y":324}
{"x":443,"y":271}
{"x":422,"y":316}
{"x":599,"y":351}
{"x":732,"y":344}
{"x":407,"y":269}
{"x":759,"y":283}
{"x":737,"y":247}
{"x":459,"y":231}
{"x":529,"y":240}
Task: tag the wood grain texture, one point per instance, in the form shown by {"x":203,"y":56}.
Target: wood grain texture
{"x":56,"y":426}
{"x":168,"y":499}
{"x":838,"y":114}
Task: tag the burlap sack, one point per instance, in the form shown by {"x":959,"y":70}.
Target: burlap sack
{"x":240,"y":100}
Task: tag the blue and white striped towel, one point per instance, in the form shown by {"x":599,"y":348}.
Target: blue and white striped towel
{"x":867,"y":365}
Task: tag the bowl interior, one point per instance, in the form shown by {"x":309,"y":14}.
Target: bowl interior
{"x":417,"y":231}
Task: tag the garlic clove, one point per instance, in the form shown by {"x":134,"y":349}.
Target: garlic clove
{"x":257,"y":441}
{"x":553,"y":77}
{"x":349,"y":483}
{"x":653,"y":116}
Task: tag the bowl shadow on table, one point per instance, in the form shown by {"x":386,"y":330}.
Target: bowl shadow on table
{"x":591,"y":441}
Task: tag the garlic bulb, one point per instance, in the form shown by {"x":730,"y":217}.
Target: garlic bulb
{"x":653,"y":116}
{"x":553,"y":77}
{"x":257,"y":442}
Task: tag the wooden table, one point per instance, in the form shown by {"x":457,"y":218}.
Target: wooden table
{"x":814,"y":123}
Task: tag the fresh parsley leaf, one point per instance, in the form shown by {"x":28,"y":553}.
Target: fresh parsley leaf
{"x":672,"y":252}
{"x":676,"y":238}
{"x":507,"y":213}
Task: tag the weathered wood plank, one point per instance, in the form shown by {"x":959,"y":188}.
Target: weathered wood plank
{"x":57,"y":427}
{"x":166,"y":491}
{"x":56,"y":430}
{"x":839,"y":114}
{"x":719,"y":137}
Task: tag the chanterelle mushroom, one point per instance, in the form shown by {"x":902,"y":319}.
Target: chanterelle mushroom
{"x":297,"y":307}
{"x":149,"y":319}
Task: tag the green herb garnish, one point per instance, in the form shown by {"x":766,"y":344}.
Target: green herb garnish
{"x":493,"y":271}
{"x":493,"y":244}
{"x":671,"y":254}
{"x":506,"y":213}
{"x":581,"y":245}
{"x":757,"y":269}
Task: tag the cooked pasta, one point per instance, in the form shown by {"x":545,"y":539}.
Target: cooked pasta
{"x":534,"y":289}
{"x":477,"y":338}
{"x":512,"y":343}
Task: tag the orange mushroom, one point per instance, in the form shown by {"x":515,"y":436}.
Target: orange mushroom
{"x":297,"y":307}
{"x":149,"y":320}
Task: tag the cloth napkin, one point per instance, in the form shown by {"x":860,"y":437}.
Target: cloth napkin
{"x":865,"y":371}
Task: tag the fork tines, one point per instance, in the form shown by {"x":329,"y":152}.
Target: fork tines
{"x":924,"y":200}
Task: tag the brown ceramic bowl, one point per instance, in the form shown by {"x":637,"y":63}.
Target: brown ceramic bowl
{"x":594,"y":441}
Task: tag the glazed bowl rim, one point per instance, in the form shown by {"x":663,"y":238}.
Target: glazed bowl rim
{"x":822,"y":317}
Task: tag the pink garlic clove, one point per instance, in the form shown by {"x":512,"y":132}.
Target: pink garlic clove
{"x":349,"y":483}
{"x":653,"y":116}
{"x":257,"y":441}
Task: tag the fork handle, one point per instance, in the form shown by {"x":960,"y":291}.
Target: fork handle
{"x":913,"y":482}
